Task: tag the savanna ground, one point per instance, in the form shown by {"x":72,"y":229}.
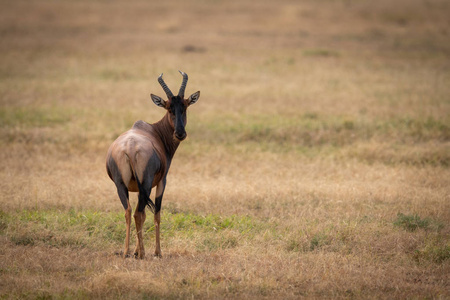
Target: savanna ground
{"x":317,"y":162}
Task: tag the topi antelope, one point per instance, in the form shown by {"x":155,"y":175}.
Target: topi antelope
{"x":140,"y":158}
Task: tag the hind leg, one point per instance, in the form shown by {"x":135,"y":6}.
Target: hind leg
{"x":140,"y":216}
{"x":122,"y":190}
{"x":123,"y":195}
{"x":157,"y":218}
{"x":139,"y":219}
{"x":126,"y":251}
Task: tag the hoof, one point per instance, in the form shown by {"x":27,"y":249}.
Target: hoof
{"x":122,"y":254}
{"x":137,"y":256}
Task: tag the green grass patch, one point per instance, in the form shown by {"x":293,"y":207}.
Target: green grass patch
{"x":320,"y":53}
{"x":210,"y":232}
{"x":34,"y":116}
{"x":436,"y":252}
{"x":391,"y":141}
{"x":188,"y":221}
{"x":63,"y":228}
{"x":420,"y":154}
{"x":96,"y":229}
{"x":279,"y":133}
{"x":411,"y":222}
{"x":318,"y":241}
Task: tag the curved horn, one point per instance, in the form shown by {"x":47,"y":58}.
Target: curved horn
{"x":183,"y":84}
{"x":164,"y":86}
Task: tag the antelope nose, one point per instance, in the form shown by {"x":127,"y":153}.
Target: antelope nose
{"x":181,"y":136}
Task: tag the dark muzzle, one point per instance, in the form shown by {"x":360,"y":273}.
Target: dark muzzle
{"x":180,"y":135}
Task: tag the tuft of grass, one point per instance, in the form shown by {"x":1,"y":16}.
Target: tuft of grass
{"x":219,"y":241}
{"x":3,"y":221}
{"x":321,"y":52}
{"x":324,"y":240}
{"x":318,"y":241}
{"x":434,"y":252}
{"x":411,"y":222}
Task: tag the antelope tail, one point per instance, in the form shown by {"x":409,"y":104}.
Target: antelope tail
{"x":144,"y":196}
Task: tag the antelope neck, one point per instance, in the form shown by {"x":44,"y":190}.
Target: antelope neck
{"x":165,"y":133}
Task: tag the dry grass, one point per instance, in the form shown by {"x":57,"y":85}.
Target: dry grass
{"x":317,"y":163}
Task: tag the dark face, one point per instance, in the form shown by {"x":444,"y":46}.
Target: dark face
{"x":177,"y":113}
{"x":176,"y":106}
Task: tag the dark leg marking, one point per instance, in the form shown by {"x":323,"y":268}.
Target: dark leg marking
{"x":116,"y":176}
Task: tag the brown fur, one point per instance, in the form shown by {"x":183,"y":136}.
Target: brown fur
{"x":132,"y":150}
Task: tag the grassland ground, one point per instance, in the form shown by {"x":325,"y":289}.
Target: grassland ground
{"x":316,"y":164}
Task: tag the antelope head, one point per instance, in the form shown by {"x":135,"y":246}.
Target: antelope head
{"x":176,"y":106}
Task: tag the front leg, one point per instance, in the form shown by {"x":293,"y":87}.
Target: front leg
{"x":157,"y":219}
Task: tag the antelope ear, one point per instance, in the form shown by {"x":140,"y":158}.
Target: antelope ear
{"x":158,"y":101}
{"x":193,"y":98}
